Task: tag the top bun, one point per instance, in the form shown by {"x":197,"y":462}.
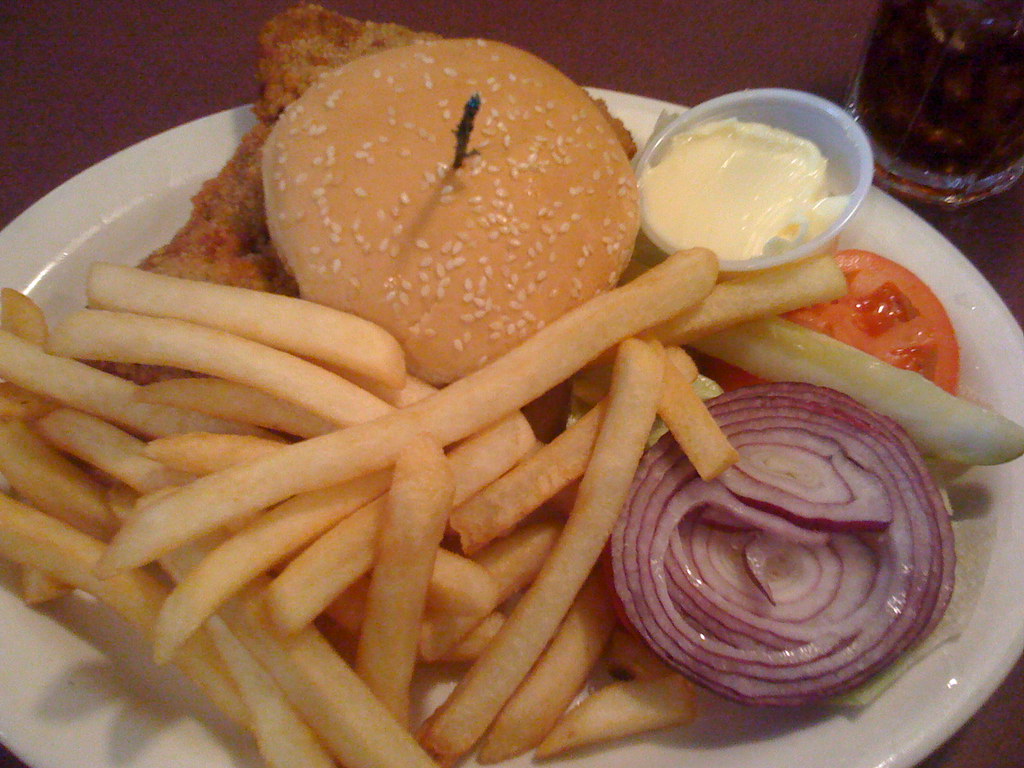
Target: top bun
{"x":461,"y":265}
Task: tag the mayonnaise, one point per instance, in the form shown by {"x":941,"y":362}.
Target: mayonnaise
{"x":740,"y":189}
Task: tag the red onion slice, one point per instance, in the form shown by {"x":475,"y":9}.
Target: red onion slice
{"x":807,"y":567}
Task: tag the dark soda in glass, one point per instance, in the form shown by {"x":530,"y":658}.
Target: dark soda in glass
{"x":941,"y":94}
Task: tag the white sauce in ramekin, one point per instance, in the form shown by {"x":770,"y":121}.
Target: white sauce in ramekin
{"x":741,"y":189}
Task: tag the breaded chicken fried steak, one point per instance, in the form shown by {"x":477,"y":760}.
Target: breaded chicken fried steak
{"x":460,"y":253}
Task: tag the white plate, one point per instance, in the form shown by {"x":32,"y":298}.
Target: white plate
{"x":76,"y":688}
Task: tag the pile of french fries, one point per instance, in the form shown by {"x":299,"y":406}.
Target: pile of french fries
{"x":326,"y":526}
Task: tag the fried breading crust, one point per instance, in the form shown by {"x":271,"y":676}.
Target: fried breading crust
{"x":225,"y":239}
{"x":296,"y":46}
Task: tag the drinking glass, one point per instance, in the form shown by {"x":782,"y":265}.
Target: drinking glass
{"x":940,"y":92}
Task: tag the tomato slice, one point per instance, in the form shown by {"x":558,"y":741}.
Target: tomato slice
{"x":889,"y":312}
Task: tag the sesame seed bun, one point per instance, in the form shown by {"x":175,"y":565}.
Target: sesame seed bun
{"x":460,"y":265}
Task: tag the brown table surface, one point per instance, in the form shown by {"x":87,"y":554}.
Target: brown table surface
{"x":82,"y":79}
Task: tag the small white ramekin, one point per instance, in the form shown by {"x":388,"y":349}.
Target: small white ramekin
{"x":841,"y":140}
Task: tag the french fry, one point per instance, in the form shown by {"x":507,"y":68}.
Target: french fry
{"x":753,"y":295}
{"x":330,"y":697}
{"x":461,"y":720}
{"x":284,"y":740}
{"x":341,"y":340}
{"x":350,"y":722}
{"x":22,"y":317}
{"x":77,"y":385}
{"x":121,"y":337}
{"x":200,"y":453}
{"x":330,"y":565}
{"x":490,"y":453}
{"x":512,"y":563}
{"x":682,"y":363}
{"x":622,"y":709}
{"x":30,"y":537}
{"x":499,"y":507}
{"x":411,"y":528}
{"x":442,"y":631}
{"x":309,"y":583}
{"x":411,"y":392}
{"x":357,"y":729}
{"x":108,"y":448}
{"x":39,"y":587}
{"x":556,"y":678}
{"x":462,"y":408}
{"x":460,"y":586}
{"x":347,"y":613}
{"x":476,"y":641}
{"x":235,"y":402}
{"x":18,"y":404}
{"x":689,"y":420}
{"x":253,"y":550}
{"x":515,"y":560}
{"x":51,"y":482}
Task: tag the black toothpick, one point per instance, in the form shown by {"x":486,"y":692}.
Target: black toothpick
{"x":464,"y":130}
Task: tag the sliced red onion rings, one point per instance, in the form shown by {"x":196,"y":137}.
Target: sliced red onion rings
{"x":811,"y":564}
